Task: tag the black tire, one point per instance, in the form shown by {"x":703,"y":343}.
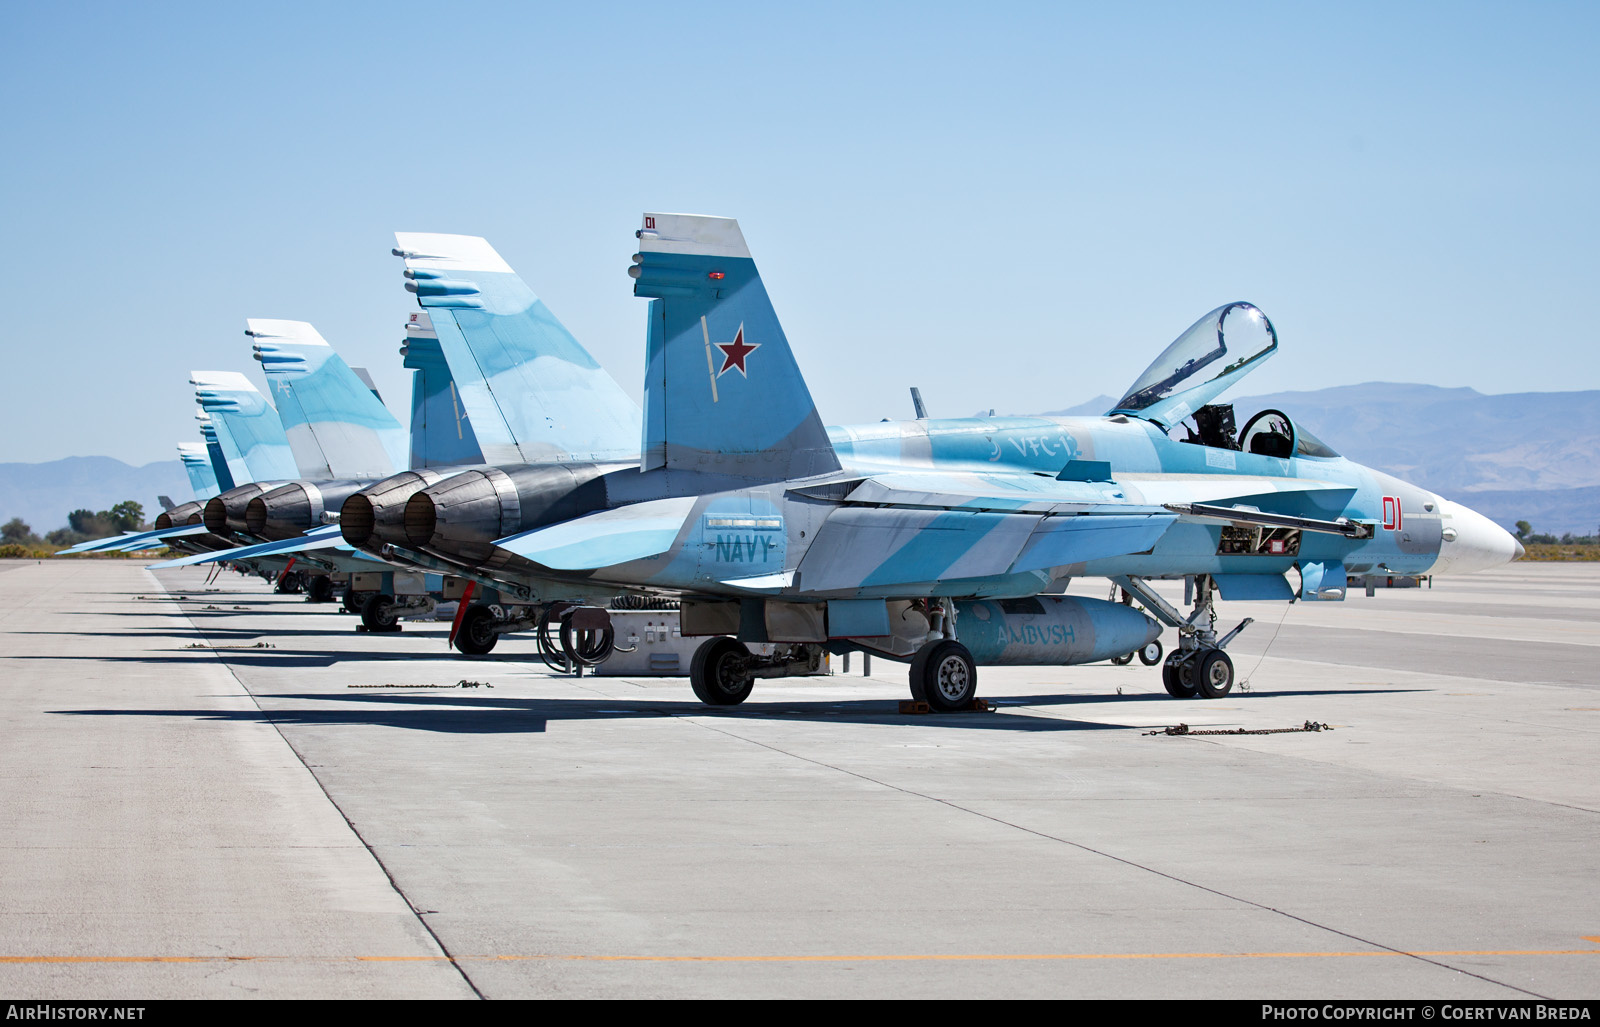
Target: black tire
{"x":319,"y":589}
{"x":944,"y":676}
{"x":1175,"y":679}
{"x":289,"y":584}
{"x":1150,"y":655}
{"x":353,"y":600}
{"x":718,"y":674}
{"x":1213,"y":674}
{"x":477,"y":634}
{"x":1123,"y":660}
{"x":377,"y":612}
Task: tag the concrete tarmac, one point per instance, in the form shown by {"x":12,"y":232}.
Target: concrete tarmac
{"x":335,"y":816}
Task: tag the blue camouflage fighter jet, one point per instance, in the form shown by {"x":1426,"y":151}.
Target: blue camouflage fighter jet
{"x":942,"y":543}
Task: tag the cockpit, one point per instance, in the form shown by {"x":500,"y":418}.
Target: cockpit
{"x":1216,"y":351}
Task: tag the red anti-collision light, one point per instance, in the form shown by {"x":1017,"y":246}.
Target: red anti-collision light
{"x":716,"y":275}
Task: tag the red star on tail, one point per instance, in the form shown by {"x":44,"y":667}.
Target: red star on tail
{"x":735,"y":352}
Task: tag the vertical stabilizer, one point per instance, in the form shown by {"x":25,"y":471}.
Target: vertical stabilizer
{"x":227,"y":466}
{"x":197,"y":464}
{"x":238,"y":409}
{"x":336,"y":426}
{"x":532,"y":393}
{"x":722,"y":390}
{"x":441,"y":431}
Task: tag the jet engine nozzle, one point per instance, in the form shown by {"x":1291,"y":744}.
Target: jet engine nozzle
{"x":372,"y":515}
{"x":463,"y":516}
{"x":180,"y":515}
{"x":226,"y":512}
{"x":294,"y":509}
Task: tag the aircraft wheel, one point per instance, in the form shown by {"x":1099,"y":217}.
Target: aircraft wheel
{"x":319,"y":589}
{"x":1150,"y":655}
{"x":377,"y":612}
{"x":353,"y":600}
{"x":718,"y":672}
{"x":477,"y":635}
{"x":944,"y":676}
{"x":1214,"y":674}
{"x":289,"y":584}
{"x":1173,"y":677}
{"x":1123,"y":660}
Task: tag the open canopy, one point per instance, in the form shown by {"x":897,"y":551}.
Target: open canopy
{"x":1215,"y":352}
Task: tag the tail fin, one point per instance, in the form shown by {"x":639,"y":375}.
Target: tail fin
{"x":441,"y":432}
{"x":227,"y":466}
{"x":722,"y":390}
{"x":197,"y":463}
{"x":533,"y":394}
{"x":336,"y":426}
{"x":239,"y":411}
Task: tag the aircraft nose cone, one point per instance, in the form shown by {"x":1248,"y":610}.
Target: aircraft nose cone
{"x":1472,"y":542}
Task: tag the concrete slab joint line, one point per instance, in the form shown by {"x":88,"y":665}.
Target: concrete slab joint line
{"x":243,"y":822}
{"x":421,"y":920}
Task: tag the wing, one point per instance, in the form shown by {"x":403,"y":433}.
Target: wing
{"x":921,"y":529}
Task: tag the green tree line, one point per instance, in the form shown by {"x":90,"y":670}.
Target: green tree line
{"x":82,"y":525}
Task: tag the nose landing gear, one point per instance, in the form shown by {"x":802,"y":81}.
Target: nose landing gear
{"x":1198,"y":667}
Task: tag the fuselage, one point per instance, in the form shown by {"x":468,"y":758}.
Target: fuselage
{"x":755,"y":540}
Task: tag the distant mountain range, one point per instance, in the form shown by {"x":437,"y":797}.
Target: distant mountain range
{"x":1531,"y":456}
{"x":43,"y":494}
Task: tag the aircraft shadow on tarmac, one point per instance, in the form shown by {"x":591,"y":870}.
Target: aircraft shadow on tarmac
{"x":209,"y":632}
{"x":445,"y":713}
{"x":263,"y":658}
{"x":456,"y":713}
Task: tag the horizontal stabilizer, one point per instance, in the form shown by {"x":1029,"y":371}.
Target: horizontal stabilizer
{"x":605,"y":538}
{"x":327,"y":537}
{"x":133,"y":540}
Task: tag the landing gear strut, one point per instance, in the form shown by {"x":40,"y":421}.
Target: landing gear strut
{"x":724,"y":670}
{"x":1198,"y":667}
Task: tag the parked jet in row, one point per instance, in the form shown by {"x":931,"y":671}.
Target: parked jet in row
{"x":885,"y":538}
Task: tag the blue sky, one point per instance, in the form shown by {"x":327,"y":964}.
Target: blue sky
{"x":1009,"y":205}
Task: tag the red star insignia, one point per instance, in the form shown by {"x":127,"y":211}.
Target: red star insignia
{"x":735,"y":352}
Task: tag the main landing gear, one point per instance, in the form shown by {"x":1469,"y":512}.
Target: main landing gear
{"x":944,"y":676}
{"x":1198,"y":667}
{"x":1204,"y":672}
{"x":724,"y":670}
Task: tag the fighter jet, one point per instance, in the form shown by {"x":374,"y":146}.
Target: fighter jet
{"x":278,"y":470}
{"x":939,"y":543}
